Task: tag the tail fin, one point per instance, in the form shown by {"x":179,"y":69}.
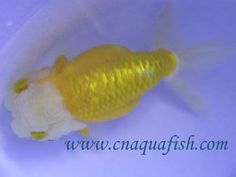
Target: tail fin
{"x":196,"y":58}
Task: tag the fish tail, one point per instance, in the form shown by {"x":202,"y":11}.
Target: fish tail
{"x":194,"y":59}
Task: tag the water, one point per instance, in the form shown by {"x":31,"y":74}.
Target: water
{"x":161,"y":112}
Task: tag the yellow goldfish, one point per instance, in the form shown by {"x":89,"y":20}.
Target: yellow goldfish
{"x":102,"y":83}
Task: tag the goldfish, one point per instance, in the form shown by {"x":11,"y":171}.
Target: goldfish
{"x":103,"y":83}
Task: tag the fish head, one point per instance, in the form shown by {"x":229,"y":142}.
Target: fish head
{"x":37,"y":109}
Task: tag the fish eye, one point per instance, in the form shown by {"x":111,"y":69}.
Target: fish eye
{"x":39,"y":135}
{"x":20,"y":85}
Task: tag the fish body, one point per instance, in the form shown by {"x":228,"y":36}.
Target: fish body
{"x":102,"y":83}
{"x":108,"y":81}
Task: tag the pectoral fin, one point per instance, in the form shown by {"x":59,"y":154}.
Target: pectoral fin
{"x":60,"y":62}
